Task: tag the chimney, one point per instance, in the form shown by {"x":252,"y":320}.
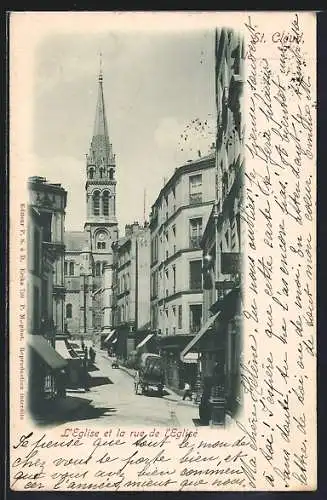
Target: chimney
{"x":199,"y":153}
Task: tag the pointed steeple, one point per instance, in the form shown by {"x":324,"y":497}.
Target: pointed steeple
{"x":100,"y":151}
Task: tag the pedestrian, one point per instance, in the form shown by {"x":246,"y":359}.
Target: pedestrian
{"x":92,"y":355}
{"x":187,"y":392}
{"x":137,"y":381}
{"x":85,"y":372}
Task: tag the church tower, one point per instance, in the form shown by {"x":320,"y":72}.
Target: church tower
{"x":100,"y":186}
{"x":101,"y":222}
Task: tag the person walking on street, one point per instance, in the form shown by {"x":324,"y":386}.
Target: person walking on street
{"x":92,"y":355}
{"x":187,"y":392}
{"x":85,"y":372}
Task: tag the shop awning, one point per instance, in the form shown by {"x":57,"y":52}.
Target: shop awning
{"x":144,"y":341}
{"x":191,"y":345}
{"x":62,"y":349}
{"x":110,"y":335}
{"x":229,"y":304}
{"x":46,"y":352}
{"x":190,"y":357}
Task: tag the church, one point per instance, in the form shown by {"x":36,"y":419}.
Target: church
{"x":88,"y":253}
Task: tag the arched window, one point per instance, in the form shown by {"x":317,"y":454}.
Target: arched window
{"x":105,"y":201}
{"x":98,"y":269}
{"x":91,"y":173}
{"x":101,"y":173}
{"x":71,"y":268}
{"x":69,"y":311}
{"x":104,"y":265}
{"x":96,"y":203}
{"x":65,"y":269}
{"x":111,"y":174}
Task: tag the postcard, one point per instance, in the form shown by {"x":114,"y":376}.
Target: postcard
{"x":162,"y":251}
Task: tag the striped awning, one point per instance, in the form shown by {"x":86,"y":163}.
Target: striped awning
{"x":62,"y":349}
{"x":191,"y":346}
{"x":144,"y":341}
{"x":190,"y":357}
{"x":110,"y":335}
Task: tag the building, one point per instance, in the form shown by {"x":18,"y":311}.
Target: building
{"x":89,"y":251}
{"x":45,"y":288}
{"x":131,"y":289}
{"x":218,"y":343}
{"x":178,"y":217}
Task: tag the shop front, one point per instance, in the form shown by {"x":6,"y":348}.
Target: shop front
{"x":45,"y":373}
{"x":177,"y":372}
{"x":218,"y":345}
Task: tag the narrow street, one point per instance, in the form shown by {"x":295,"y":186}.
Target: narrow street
{"x":114,"y":402}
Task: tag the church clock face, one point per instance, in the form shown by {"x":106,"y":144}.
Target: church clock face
{"x":101,"y":236}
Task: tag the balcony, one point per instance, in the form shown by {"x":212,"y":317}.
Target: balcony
{"x":195,"y":241}
{"x":195,"y":198}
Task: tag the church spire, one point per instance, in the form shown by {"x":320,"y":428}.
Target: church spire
{"x":100,"y":123}
{"x":100,"y":150}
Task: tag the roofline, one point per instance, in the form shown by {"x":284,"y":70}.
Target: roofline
{"x":179,"y":171}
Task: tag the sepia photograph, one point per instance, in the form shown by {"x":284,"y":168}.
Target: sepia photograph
{"x":134,"y":225}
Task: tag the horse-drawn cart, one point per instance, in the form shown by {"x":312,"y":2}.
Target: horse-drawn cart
{"x":150,"y":375}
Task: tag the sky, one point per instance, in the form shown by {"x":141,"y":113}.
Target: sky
{"x":155,"y":86}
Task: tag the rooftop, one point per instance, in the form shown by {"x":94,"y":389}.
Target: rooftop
{"x":187,"y":167}
{"x":75,"y":240}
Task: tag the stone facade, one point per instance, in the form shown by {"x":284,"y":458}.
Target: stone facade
{"x":47,"y":203}
{"x":131,"y":287}
{"x":45,"y":289}
{"x":220,"y":343}
{"x":178,"y":218}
